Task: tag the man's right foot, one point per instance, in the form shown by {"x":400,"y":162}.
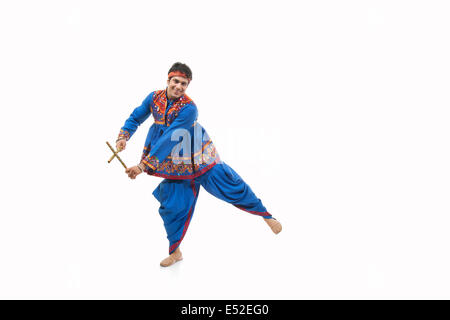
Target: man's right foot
{"x":275,"y":225}
{"x":170,"y":260}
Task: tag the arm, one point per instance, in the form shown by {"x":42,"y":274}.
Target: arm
{"x":137,"y":117}
{"x":164,"y":146}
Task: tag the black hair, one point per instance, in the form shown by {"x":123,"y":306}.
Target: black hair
{"x":178,"y":66}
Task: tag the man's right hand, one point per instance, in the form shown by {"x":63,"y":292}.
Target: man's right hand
{"x":121,"y":144}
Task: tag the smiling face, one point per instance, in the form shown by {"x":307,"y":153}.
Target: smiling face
{"x":176,"y":86}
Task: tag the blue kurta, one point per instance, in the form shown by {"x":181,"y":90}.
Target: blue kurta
{"x":179,"y":149}
{"x":177,"y":146}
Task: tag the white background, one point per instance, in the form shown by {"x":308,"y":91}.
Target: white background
{"x":336,"y":113}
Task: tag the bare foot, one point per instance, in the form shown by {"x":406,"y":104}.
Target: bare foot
{"x":170,"y":260}
{"x":275,"y":225}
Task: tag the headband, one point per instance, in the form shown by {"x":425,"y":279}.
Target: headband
{"x":178,"y":74}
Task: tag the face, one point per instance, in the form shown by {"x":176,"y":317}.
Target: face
{"x":176,"y":87}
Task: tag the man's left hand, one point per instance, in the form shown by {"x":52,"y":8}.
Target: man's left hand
{"x":133,"y":172}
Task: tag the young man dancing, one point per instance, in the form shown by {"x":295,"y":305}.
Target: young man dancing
{"x":178,"y":149}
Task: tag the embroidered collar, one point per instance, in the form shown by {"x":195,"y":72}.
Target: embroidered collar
{"x":161,"y":101}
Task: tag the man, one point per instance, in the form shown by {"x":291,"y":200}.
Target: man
{"x":187,"y":164}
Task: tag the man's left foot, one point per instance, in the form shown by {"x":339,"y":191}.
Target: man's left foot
{"x":275,"y":225}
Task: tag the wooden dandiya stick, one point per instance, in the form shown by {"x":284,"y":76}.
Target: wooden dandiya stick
{"x":115,"y":155}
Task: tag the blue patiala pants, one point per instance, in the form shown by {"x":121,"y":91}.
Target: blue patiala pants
{"x":178,"y":198}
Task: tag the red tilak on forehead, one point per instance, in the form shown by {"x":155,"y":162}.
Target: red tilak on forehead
{"x":178,"y":74}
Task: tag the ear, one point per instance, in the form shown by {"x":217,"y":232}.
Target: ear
{"x":168,"y":80}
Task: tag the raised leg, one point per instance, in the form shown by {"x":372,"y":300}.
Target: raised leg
{"x":224,"y":183}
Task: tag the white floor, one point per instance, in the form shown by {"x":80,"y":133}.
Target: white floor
{"x":108,"y":245}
